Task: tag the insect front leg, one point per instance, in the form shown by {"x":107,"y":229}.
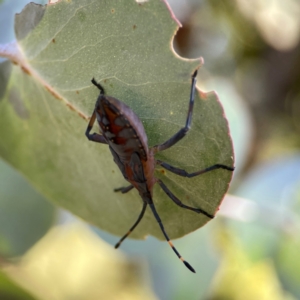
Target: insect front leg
{"x":95,"y":137}
{"x":183,"y":131}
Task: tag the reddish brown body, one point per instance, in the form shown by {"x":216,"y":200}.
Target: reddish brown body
{"x":127,"y":140}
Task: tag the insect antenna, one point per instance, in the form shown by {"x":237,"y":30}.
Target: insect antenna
{"x":168,"y":240}
{"x":98,"y":85}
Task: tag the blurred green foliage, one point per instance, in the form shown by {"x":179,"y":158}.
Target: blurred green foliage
{"x":251,"y":52}
{"x":9,"y":290}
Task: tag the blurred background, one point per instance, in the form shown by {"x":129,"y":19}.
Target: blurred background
{"x":251,"y":250}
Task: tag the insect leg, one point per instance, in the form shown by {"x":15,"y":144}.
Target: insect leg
{"x":179,"y":203}
{"x":183,"y":131}
{"x":167,"y":238}
{"x":184,"y":173}
{"x":125,"y":189}
{"x":95,"y":137}
{"x":134,"y":225}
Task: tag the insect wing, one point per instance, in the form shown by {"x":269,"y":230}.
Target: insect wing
{"x":118,"y":162}
{"x":137,"y":168}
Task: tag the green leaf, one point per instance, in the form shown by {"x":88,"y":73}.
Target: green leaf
{"x":25,"y":216}
{"x":126,"y":46}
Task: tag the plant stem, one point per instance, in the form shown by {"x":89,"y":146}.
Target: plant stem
{"x":11,"y":51}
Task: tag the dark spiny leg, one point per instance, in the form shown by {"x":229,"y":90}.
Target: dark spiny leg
{"x":167,"y":238}
{"x":179,"y":203}
{"x":182,"y":132}
{"x":183,"y":173}
{"x":95,"y":137}
{"x":134,"y":225}
{"x":98,"y":85}
{"x":125,"y":189}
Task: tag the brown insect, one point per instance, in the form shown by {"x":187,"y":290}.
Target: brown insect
{"x":125,"y":135}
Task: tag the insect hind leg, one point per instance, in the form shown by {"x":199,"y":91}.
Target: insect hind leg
{"x":167,"y":238}
{"x":179,"y":203}
{"x":133,"y":226}
{"x":184,"y":173}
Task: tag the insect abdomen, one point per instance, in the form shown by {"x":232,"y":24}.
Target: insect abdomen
{"x":121,"y":127}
